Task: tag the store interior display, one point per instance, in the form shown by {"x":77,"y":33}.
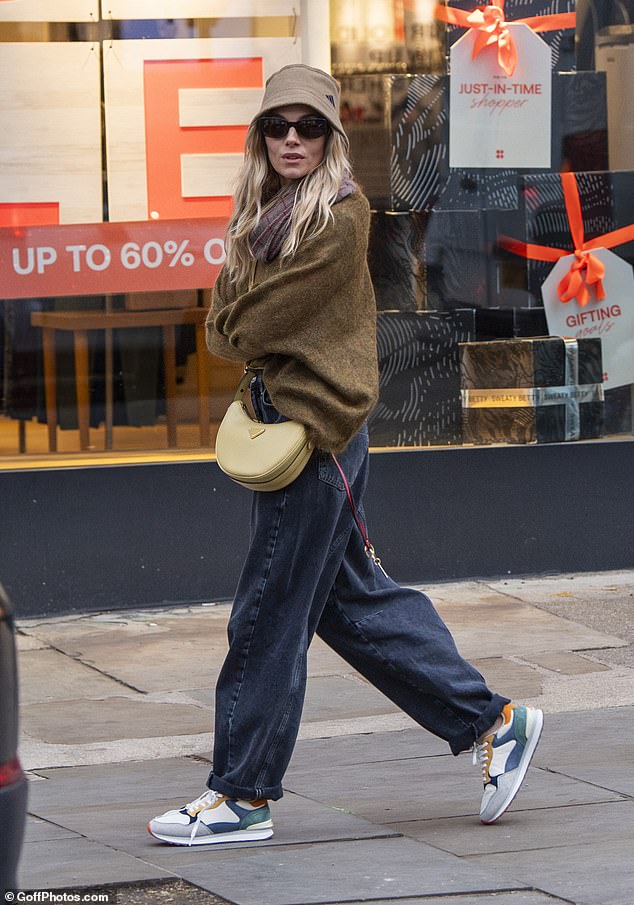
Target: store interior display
{"x":138,"y":378}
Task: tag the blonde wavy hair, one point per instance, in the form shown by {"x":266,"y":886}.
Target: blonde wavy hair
{"x":257,"y":183}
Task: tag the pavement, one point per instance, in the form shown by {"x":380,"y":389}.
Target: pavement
{"x":116,"y":713}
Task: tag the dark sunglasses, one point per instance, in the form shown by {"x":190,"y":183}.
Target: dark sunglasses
{"x":278,"y":127}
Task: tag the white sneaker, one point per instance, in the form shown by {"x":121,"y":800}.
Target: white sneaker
{"x":504,"y":757}
{"x":213,"y":818}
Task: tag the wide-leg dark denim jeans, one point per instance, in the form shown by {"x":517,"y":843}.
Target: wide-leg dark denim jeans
{"x":306,"y":571}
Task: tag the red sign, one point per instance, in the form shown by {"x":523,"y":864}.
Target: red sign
{"x":105,"y":258}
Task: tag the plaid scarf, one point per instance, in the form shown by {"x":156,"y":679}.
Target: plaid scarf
{"x":268,"y":236}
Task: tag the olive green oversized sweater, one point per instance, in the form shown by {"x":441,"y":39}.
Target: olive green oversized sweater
{"x":310,"y":323}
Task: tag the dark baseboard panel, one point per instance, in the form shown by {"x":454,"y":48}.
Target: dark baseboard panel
{"x":129,"y":537}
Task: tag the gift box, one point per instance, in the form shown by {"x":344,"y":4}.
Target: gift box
{"x":607,"y":203}
{"x":619,"y":410}
{"x":441,"y":260}
{"x":395,"y":259}
{"x":419,"y":378}
{"x":457,"y":260}
{"x":465,"y":265}
{"x":398,"y":127}
{"x":538,"y":390}
{"x":509,"y":323}
{"x":561,"y":41}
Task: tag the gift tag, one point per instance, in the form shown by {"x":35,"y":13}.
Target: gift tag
{"x":497,"y":120}
{"x":611,"y":319}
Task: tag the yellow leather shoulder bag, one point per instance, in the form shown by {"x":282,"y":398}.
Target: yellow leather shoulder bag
{"x":257,"y":455}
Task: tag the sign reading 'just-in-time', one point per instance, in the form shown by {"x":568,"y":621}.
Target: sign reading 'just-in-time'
{"x":497,"y":119}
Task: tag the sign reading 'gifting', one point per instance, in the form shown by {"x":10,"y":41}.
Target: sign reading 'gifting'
{"x":609,"y":314}
{"x":588,"y":294}
{"x":497,"y":118}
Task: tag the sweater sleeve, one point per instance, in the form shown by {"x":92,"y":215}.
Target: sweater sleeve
{"x":313,"y":320}
{"x":217,"y":342}
{"x":296,"y":302}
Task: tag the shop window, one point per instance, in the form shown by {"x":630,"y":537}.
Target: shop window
{"x":113,"y":208}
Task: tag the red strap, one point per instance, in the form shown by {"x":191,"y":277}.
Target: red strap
{"x":491,"y":27}
{"x":369,"y":549}
{"x":586,"y":270}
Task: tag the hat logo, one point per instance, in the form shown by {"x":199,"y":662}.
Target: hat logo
{"x":331,"y":98}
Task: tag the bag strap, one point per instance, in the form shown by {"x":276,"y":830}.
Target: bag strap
{"x":245,"y":382}
{"x":369,"y":549}
{"x":249,"y":374}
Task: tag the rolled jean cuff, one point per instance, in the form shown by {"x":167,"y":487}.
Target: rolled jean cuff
{"x":472,"y":733}
{"x":272,"y":793}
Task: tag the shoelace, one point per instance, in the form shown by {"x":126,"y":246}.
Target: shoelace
{"x":201,"y":803}
{"x":482,"y":754}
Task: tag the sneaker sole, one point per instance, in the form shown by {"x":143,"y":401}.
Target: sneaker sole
{"x":250,"y":835}
{"x":521,"y":769}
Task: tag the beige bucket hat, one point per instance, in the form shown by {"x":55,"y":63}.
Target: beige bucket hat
{"x":301,"y":84}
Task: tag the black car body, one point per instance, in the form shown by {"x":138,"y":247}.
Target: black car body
{"x":13,"y":783}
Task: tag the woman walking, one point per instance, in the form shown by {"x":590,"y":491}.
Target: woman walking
{"x":294,"y":300}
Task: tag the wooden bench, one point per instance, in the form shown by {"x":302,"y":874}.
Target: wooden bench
{"x":79,"y":323}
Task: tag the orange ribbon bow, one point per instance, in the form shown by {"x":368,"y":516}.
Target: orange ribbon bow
{"x":491,"y":28}
{"x":586,"y":270}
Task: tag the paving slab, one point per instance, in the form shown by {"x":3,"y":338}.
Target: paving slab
{"x":59,"y":863}
{"x":603,"y":601}
{"x":27,"y":642}
{"x":372,"y":869}
{"x":323,"y":661}
{"x":487,"y":624}
{"x":177,"y":779}
{"x":298,"y":820}
{"x":514,"y":680}
{"x":80,"y":721}
{"x":328,"y":698}
{"x":39,"y":830}
{"x":602,"y":590}
{"x":39,"y":755}
{"x":487,"y":898}
{"x":601,"y":873}
{"x":47,"y":676}
{"x":596,"y":691}
{"x":614,"y":656}
{"x":591,"y":746}
{"x":422,"y":789}
{"x":146,"y":653}
{"x":567,"y":664}
{"x":372,"y":747}
{"x":127,"y":623}
{"x":522,"y":830}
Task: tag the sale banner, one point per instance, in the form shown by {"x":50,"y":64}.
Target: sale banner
{"x":498,"y":117}
{"x":609,"y":317}
{"x":106,"y":258}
